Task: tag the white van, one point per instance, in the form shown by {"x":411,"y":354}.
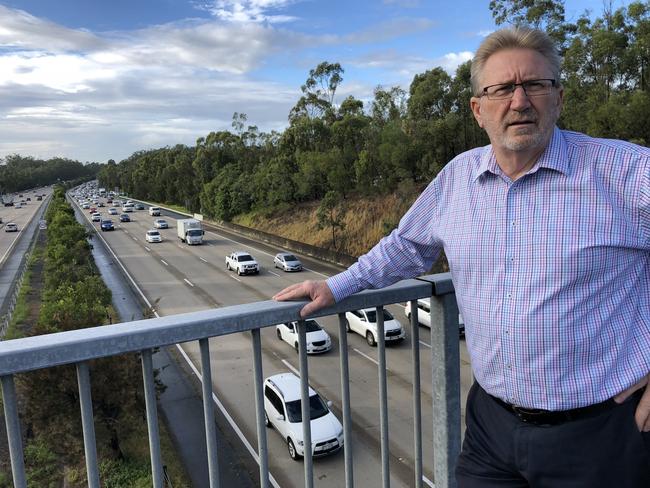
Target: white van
{"x":424,"y":314}
{"x":154,"y":211}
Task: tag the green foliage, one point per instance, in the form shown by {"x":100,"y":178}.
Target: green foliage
{"x":398,"y":136}
{"x":20,"y":173}
{"x":125,"y":474}
{"x":330,"y":214}
{"x":41,"y":465}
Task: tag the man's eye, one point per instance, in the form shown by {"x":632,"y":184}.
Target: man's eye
{"x":534,"y":84}
{"x":502,"y":90}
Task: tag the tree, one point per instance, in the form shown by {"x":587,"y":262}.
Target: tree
{"x":318,"y":92}
{"x":330,"y":214}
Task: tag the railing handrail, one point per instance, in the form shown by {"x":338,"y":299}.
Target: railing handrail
{"x":36,"y":352}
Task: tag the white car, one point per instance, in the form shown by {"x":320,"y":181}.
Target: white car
{"x":127,"y":208}
{"x":97,"y":217}
{"x":112,"y":211}
{"x":160,"y":224}
{"x":424,"y":314}
{"x":153,"y":236}
{"x":317,"y":339}
{"x":364,"y":323}
{"x":242,"y":262}
{"x":287,"y":262}
{"x":11,"y":227}
{"x":154,"y":211}
{"x":282,"y":410}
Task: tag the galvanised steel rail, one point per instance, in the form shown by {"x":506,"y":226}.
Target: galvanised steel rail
{"x":80,"y":346}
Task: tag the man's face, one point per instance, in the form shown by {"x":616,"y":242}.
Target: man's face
{"x":522,"y":123}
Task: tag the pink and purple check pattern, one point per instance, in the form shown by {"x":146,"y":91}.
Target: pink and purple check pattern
{"x":551,"y":271}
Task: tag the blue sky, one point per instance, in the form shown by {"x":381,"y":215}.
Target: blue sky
{"x":96,"y":80}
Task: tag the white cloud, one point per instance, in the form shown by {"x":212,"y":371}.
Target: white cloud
{"x":18,"y":29}
{"x":409,"y":66}
{"x":246,"y":11}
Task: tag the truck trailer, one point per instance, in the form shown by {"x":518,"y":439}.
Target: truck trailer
{"x":190,"y":231}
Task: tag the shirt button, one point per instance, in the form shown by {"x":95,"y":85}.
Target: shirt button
{"x":513,"y":223}
{"x":509,"y":295}
{"x":507,"y":331}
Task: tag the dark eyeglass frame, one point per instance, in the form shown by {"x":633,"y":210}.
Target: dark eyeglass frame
{"x":525,"y":85}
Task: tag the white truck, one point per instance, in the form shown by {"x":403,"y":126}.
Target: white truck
{"x":242,"y":262}
{"x":190,"y":231}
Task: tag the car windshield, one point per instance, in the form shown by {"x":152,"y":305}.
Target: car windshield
{"x":289,"y":257}
{"x":194,"y":232}
{"x":317,"y":409}
{"x":153,"y":233}
{"x":312,"y":326}
{"x":372,"y":315}
{"x":244,"y":257}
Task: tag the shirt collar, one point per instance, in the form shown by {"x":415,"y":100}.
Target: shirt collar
{"x":555,"y":157}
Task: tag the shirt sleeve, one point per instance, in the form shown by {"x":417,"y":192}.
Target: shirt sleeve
{"x":407,"y":252}
{"x":645,"y":203}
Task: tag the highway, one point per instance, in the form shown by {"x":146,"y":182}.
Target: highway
{"x":177,"y":278}
{"x":21,"y":217}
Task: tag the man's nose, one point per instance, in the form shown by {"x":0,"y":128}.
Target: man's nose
{"x":520,"y":100}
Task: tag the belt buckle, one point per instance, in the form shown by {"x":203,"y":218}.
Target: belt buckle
{"x":529,"y":415}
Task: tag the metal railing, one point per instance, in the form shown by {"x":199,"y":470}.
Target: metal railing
{"x":80,"y":346}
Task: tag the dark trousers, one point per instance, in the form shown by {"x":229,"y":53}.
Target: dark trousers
{"x":499,"y":450}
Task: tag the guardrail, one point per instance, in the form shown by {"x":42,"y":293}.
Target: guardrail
{"x":80,"y":346}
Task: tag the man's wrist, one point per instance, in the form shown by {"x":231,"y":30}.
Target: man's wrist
{"x":343,"y":285}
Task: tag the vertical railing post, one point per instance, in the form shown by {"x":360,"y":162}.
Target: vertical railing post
{"x":152,"y":418}
{"x":383,"y":398}
{"x":208,"y":414}
{"x":345,"y":397}
{"x":304,"y":404}
{"x":14,"y":436}
{"x":417,"y":397}
{"x":445,"y":364}
{"x":87,"y":423}
{"x":262,"y":448}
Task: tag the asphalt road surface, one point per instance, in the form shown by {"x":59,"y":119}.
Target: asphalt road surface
{"x":177,"y":278}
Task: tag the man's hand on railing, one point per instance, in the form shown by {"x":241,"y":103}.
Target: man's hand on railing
{"x":317,"y":291}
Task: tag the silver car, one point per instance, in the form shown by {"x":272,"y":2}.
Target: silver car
{"x":287,"y":262}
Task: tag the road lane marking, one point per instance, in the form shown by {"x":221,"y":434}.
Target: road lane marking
{"x":204,"y":260}
{"x":290,"y":366}
{"x":135,"y":238}
{"x":228,"y":417}
{"x":188,"y":282}
{"x":428,"y":481}
{"x":274,"y":274}
{"x":234,"y":278}
{"x":162,"y":261}
{"x":366,"y":356}
{"x":425,"y":344}
{"x":147,"y":248}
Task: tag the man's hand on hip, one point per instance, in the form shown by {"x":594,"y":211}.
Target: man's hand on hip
{"x":642,"y":415}
{"x":317,"y":291}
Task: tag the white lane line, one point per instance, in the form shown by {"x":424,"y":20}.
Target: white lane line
{"x":188,"y":282}
{"x":135,"y":238}
{"x":204,"y":260}
{"x":234,"y":278}
{"x":227,"y":416}
{"x":162,"y":261}
{"x":290,"y":366}
{"x":425,"y":344}
{"x":274,"y":274}
{"x":366,"y":356}
{"x":428,"y":481}
{"x":125,"y":231}
{"x":147,"y":248}
{"x":179,"y":246}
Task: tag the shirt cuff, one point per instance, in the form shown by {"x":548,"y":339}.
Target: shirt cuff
{"x":343,"y":285}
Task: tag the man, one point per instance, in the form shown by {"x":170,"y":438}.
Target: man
{"x":547,"y":234}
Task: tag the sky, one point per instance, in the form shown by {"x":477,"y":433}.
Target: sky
{"x":93,"y":80}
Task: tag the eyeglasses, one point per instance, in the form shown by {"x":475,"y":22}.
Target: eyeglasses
{"x":532,"y":88}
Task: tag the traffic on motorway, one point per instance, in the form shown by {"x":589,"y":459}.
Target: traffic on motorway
{"x":190,"y":276}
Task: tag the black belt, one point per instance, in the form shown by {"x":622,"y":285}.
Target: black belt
{"x":549,"y":417}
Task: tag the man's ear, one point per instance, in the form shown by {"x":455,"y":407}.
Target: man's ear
{"x":475,"y":105}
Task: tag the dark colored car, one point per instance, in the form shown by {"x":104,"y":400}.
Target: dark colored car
{"x":107,"y":225}
{"x":125,"y":218}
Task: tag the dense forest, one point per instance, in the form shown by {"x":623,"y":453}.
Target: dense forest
{"x":19,"y":173}
{"x":335,"y":150}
